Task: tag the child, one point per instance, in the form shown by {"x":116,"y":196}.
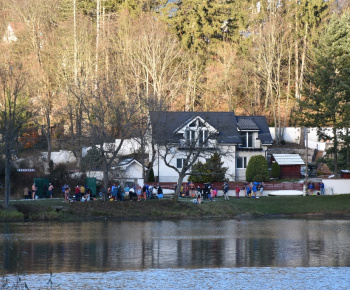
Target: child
{"x":248,"y":191}
{"x":238,"y":190}
{"x":199,"y":199}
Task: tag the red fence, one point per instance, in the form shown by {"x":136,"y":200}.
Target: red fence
{"x":219,"y":185}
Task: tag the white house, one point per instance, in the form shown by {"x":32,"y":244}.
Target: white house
{"x":235,"y":138}
{"x":10,"y":35}
{"x":128,"y":147}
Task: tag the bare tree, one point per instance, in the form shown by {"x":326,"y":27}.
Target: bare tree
{"x":13,"y":114}
{"x":271,"y":57}
{"x":39,"y":20}
{"x":108,"y":117}
{"x":148,"y":58}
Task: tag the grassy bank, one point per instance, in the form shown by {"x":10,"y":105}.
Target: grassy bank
{"x":56,"y":209}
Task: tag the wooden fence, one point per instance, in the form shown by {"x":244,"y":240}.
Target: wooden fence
{"x":232,"y":185}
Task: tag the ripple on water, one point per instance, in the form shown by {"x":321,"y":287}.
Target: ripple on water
{"x":216,"y":278}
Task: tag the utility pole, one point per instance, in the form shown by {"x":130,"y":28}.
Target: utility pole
{"x":307,"y":156}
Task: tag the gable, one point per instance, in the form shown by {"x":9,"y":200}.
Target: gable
{"x":195,"y":122}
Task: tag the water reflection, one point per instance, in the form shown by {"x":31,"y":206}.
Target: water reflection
{"x":133,"y":245}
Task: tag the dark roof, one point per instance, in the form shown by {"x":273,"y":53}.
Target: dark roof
{"x":246,"y":123}
{"x":264,"y":130}
{"x":165,"y":124}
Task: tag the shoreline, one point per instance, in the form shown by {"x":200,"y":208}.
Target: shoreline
{"x":336,"y":206}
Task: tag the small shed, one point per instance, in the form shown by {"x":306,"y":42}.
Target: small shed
{"x":290,"y":165}
{"x":345,"y":174}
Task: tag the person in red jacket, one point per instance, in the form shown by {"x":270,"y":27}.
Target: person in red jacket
{"x":238,"y":190}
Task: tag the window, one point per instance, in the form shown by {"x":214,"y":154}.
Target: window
{"x":179,"y":162}
{"x":247,"y":139}
{"x":241,"y":162}
{"x":197,"y":136}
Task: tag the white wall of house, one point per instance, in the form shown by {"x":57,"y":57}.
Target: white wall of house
{"x":241,"y":172}
{"x":129,"y":146}
{"x":10,"y":35}
{"x":132,"y":173}
{"x":228,"y":157}
{"x":292,"y":135}
{"x":167,"y":174}
{"x":336,"y":186}
{"x":61,"y":157}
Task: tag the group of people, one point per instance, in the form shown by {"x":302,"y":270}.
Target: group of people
{"x":80,"y":193}
{"x":251,"y":189}
{"x":311,"y":190}
{"x":210,"y":193}
{"x":116,"y":192}
{"x":32,"y":193}
{"x":149,"y":192}
{"x":206,"y":192}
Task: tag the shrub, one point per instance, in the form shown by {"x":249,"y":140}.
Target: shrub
{"x":10,"y":215}
{"x":258,"y":178}
{"x":275,"y":170}
{"x":257,"y":165}
{"x":151,"y":177}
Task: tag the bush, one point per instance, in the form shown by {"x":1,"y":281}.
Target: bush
{"x":257,"y":165}
{"x":10,"y":215}
{"x":275,"y":170}
{"x":258,"y":178}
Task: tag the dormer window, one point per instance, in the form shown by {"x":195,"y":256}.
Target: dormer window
{"x":197,"y":133}
{"x":198,"y":136}
{"x":247,"y":139}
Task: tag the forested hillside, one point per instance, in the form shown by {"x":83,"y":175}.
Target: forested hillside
{"x":248,"y":56}
{"x":77,"y":73}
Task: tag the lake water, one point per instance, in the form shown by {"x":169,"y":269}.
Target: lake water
{"x":225,"y":254}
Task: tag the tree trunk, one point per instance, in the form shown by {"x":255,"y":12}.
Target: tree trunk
{"x":335,"y":151}
{"x":97,"y":37}
{"x":105,"y":179}
{"x":178,"y":187}
{"x":7,"y":174}
{"x":75,"y":46}
{"x":347,"y":148}
{"x":48,"y":138}
{"x":303,"y":58}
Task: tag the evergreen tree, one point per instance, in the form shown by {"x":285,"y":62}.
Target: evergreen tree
{"x":92,"y":159}
{"x":328,"y":95}
{"x":200,"y":24}
{"x":216,"y":168}
{"x":200,"y":173}
{"x":211,"y":171}
{"x":151,"y":177}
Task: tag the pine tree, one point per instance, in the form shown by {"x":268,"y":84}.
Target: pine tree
{"x":328,"y":96}
{"x":211,"y":171}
